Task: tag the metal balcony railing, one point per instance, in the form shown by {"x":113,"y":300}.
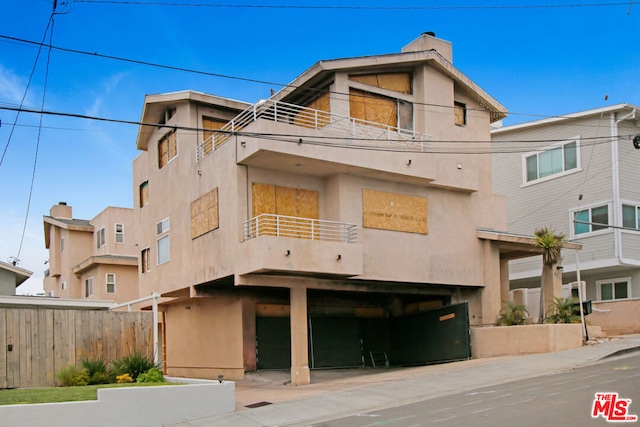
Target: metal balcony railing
{"x":371,"y":133}
{"x":299,"y":228}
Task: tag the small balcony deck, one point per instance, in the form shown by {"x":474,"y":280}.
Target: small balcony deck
{"x":276,"y":244}
{"x":369,"y":133}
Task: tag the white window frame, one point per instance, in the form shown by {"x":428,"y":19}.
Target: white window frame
{"x":599,"y":284}
{"x":62,"y":244}
{"x":88,"y":287}
{"x":637,"y":215}
{"x":108,"y":282}
{"x":162,"y":227}
{"x":63,"y":285}
{"x":590,"y":208}
{"x":119,"y":234}
{"x":537,"y":153}
{"x":101,"y":238}
{"x":168,"y":240}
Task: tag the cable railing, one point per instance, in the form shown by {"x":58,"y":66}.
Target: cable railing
{"x":372,"y":133}
{"x":299,"y":228}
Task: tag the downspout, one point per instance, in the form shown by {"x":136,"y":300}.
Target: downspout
{"x":615,"y":176}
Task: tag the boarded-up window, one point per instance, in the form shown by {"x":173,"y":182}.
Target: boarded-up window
{"x":460,"y":113}
{"x":204,"y":214}
{"x":167,"y":148}
{"x":210,"y":124}
{"x":144,"y":193}
{"x":396,"y":212}
{"x":301,"y":204}
{"x":397,"y":82}
{"x":373,"y":108}
{"x":144,"y":260}
{"x":317,"y":118}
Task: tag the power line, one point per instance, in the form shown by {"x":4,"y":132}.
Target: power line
{"x":352,"y":7}
{"x":319,"y":139}
{"x":249,"y":80}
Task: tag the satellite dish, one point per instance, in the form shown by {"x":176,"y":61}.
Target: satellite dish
{"x":636,"y":142}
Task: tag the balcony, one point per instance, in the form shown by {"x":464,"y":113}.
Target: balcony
{"x":284,"y":245}
{"x":371,"y":134}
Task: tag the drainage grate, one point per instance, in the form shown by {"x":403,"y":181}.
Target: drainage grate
{"x":258,"y":405}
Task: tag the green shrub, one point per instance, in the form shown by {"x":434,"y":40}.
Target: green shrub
{"x":72,"y":376}
{"x":512,"y":314}
{"x":134,"y":364}
{"x":153,"y":375}
{"x":96,"y":370}
{"x":564,"y":310}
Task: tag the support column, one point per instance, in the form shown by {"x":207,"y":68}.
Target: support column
{"x":492,"y":291}
{"x":504,"y":281}
{"x":300,"y":373}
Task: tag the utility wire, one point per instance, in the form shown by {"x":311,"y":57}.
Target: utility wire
{"x":245,"y":79}
{"x":26,"y":90}
{"x":351,"y":7}
{"x":35,"y":159}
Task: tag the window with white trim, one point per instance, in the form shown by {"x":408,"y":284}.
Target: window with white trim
{"x":88,"y":287}
{"x":552,"y":161}
{"x":62,"y":244}
{"x":631,"y":216}
{"x":63,"y":285}
{"x":590,"y":220}
{"x":110,"y":281}
{"x":614,"y":289}
{"x":163,"y":242}
{"x":100,"y":238}
{"x":119,"y":233}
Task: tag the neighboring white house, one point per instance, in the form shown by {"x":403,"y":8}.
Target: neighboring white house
{"x":11,"y":276}
{"x":578,"y":173}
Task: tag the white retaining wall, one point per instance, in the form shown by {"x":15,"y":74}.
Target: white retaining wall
{"x":123,"y":407}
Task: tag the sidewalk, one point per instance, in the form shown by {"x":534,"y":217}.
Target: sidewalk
{"x":338,"y":393}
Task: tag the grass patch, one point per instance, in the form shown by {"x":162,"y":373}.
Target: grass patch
{"x":20,"y":396}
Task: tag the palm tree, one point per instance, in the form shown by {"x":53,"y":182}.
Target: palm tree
{"x":551,"y":244}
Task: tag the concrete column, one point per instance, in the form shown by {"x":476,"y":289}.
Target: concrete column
{"x":491,"y":293}
{"x":504,"y":280}
{"x":300,"y":374}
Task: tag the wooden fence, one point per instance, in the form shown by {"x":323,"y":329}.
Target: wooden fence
{"x":39,"y":342}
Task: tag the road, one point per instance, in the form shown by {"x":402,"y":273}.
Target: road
{"x":564,"y":399}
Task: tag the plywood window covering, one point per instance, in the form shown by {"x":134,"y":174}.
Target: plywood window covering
{"x":204,"y":214}
{"x":293,"y":202}
{"x":209,"y":124}
{"x":315,"y":119}
{"x":380,"y":109}
{"x":397,"y":82}
{"x":395,"y":212}
{"x":144,"y":260}
{"x":167,"y":148}
{"x":144,"y":193}
{"x":460,"y":113}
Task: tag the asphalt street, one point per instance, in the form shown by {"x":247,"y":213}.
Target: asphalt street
{"x":561,"y":399}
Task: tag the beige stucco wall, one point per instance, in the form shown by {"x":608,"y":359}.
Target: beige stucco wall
{"x":204,"y":338}
{"x":616,"y":317}
{"x":524,"y":339}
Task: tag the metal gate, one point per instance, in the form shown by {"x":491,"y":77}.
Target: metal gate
{"x":439,"y":335}
{"x":334,"y":342}
{"x":273,"y":343}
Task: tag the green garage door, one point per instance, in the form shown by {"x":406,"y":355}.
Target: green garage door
{"x":439,"y":335}
{"x":273,"y":342}
{"x":334,"y":342}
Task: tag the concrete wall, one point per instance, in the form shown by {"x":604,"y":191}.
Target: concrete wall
{"x":616,"y":317}
{"x":204,"y":338}
{"x":135,"y":406}
{"x":524,"y":339}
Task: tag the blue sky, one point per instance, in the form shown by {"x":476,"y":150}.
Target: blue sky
{"x":536,"y":61}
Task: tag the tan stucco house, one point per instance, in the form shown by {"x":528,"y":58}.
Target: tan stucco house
{"x":95,"y":259}
{"x":327,"y":225}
